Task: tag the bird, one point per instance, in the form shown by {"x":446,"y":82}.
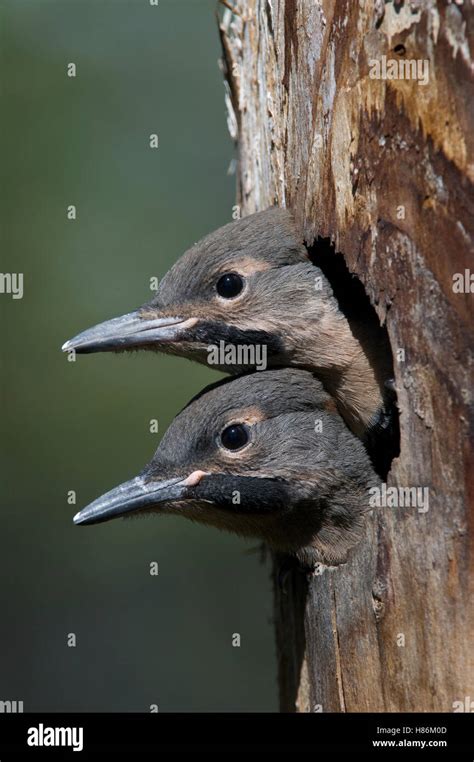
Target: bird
{"x":252,"y":284}
{"x":263,"y":455}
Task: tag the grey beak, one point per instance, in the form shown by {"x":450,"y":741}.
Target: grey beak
{"x":130,"y":330}
{"x":131,"y":496}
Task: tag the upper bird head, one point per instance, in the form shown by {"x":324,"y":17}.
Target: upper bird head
{"x":248,"y":297}
{"x":263,"y":455}
{"x":249,"y":283}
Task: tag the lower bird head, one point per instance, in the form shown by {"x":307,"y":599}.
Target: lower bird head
{"x":263,"y":455}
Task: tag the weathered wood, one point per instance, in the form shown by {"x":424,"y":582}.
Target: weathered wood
{"x":381,"y":166}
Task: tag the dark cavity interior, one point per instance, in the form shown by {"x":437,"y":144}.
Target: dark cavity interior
{"x":383,"y":445}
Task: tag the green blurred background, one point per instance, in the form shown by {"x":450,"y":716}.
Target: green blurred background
{"x":84,"y":425}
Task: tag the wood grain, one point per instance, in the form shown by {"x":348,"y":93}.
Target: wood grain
{"x":383,"y":168}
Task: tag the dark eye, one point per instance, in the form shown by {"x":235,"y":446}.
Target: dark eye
{"x":234,"y":437}
{"x":229,"y":285}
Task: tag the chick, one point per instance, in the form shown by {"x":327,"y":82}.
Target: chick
{"x":263,"y":455}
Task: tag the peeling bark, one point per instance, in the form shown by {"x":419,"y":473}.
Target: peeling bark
{"x":382,"y":167}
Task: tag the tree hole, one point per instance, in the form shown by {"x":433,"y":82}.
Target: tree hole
{"x":382,"y":440}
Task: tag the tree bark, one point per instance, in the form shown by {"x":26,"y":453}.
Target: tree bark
{"x":381,"y":167}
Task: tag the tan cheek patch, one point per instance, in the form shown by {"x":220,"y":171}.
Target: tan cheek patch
{"x":250,"y":415}
{"x":246,"y":266}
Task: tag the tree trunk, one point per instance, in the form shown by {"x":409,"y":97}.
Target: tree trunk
{"x":381,"y":167}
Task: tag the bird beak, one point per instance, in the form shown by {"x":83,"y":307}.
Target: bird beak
{"x":131,"y":330}
{"x":136,"y":495}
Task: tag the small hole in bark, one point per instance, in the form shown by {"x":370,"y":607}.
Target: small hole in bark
{"x":383,"y":441}
{"x":400,"y":50}
{"x":378,"y":606}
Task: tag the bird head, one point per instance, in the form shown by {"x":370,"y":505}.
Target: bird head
{"x":248,"y":284}
{"x":263,"y":455}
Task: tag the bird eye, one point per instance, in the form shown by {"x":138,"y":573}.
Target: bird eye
{"x":229,"y":285}
{"x":235,"y":437}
